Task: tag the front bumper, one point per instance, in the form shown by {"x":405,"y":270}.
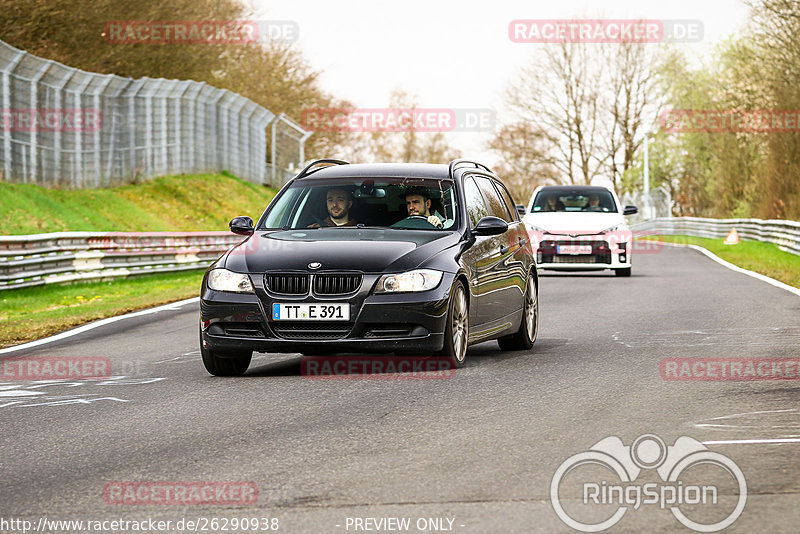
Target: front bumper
{"x":582,"y":253}
{"x":408,"y":322}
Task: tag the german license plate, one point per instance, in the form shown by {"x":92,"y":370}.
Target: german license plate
{"x":574,"y":249}
{"x":310,"y":312}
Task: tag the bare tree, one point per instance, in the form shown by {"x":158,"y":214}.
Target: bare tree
{"x":560,"y":95}
{"x":408,"y":145}
{"x":525,"y":161}
{"x":632,"y":89}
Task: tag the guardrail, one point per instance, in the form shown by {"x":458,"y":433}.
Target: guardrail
{"x":40,"y":259}
{"x":785,"y":234}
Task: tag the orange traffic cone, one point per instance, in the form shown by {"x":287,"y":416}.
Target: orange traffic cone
{"x":733,"y":237}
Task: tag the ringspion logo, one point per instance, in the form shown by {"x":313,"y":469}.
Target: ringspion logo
{"x":602,"y":484}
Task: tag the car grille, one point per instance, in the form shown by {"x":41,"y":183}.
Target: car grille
{"x":336,"y":284}
{"x":578,"y":258}
{"x":311,"y":330}
{"x":286,"y":283}
{"x":600,"y":252}
{"x":388,"y":330}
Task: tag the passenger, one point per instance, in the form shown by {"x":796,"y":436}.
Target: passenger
{"x":338,"y":203}
{"x":552,"y":203}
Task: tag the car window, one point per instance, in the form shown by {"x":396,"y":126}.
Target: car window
{"x":509,"y":202}
{"x":584,"y":199}
{"x":495,"y":204}
{"x":353,"y":202}
{"x":476,"y":207}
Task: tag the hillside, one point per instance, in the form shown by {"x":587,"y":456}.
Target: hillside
{"x":170,"y":203}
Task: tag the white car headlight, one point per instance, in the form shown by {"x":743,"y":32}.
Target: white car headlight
{"x":418,"y":280}
{"x":225,"y":280}
{"x":612,"y":229}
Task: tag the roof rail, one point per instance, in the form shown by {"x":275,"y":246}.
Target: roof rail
{"x":456,"y":163}
{"x":320,"y":162}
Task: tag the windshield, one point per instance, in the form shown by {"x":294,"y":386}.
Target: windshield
{"x":570,"y":199}
{"x":403,"y":203}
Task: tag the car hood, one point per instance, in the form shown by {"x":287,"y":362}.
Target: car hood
{"x":367,"y":250}
{"x":575,"y":222}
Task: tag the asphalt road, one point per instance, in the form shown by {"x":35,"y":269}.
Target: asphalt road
{"x":479,"y":449}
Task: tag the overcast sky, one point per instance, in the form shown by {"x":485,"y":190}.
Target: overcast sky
{"x":454,"y":54}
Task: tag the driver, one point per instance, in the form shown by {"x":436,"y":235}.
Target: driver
{"x":338,"y":202}
{"x":418,"y":203}
{"x":593,"y":204}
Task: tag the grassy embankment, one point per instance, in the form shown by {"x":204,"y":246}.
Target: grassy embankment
{"x":174,"y":203}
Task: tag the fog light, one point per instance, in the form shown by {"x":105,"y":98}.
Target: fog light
{"x":622,"y":258}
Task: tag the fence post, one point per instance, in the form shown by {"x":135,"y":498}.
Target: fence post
{"x":6,"y":82}
{"x":34,"y":103}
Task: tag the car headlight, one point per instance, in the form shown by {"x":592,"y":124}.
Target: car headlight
{"x":418,"y":280}
{"x":612,"y":229}
{"x":225,"y":280}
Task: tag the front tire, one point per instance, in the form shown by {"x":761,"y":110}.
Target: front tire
{"x":525,"y":337}
{"x":456,"y":332}
{"x":230,"y":365}
{"x":623,"y":272}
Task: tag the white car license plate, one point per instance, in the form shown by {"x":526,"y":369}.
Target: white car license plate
{"x":574,"y":249}
{"x":311,"y":312}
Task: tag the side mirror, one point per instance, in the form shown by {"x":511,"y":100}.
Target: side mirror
{"x":242,"y":225}
{"x":491,"y":226}
{"x":630,"y":210}
{"x":521,"y":210}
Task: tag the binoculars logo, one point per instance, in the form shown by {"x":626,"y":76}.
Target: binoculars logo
{"x":648,"y":452}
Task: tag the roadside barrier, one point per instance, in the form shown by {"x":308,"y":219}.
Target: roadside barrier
{"x":785,"y":234}
{"x":40,"y":259}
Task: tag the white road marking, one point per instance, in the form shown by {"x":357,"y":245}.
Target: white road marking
{"x":751,"y":441}
{"x":96,"y":324}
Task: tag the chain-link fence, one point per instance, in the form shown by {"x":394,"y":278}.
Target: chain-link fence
{"x":658,"y":203}
{"x":69,"y":128}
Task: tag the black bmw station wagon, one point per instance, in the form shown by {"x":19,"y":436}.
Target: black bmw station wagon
{"x":381,"y":258}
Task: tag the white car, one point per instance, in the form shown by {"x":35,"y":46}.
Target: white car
{"x":579,"y":228}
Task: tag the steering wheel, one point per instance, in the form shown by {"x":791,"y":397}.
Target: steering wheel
{"x":415,"y":221}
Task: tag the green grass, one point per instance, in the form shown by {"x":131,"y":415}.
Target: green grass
{"x":34,"y":312}
{"x":764,"y":258}
{"x":171,"y":203}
